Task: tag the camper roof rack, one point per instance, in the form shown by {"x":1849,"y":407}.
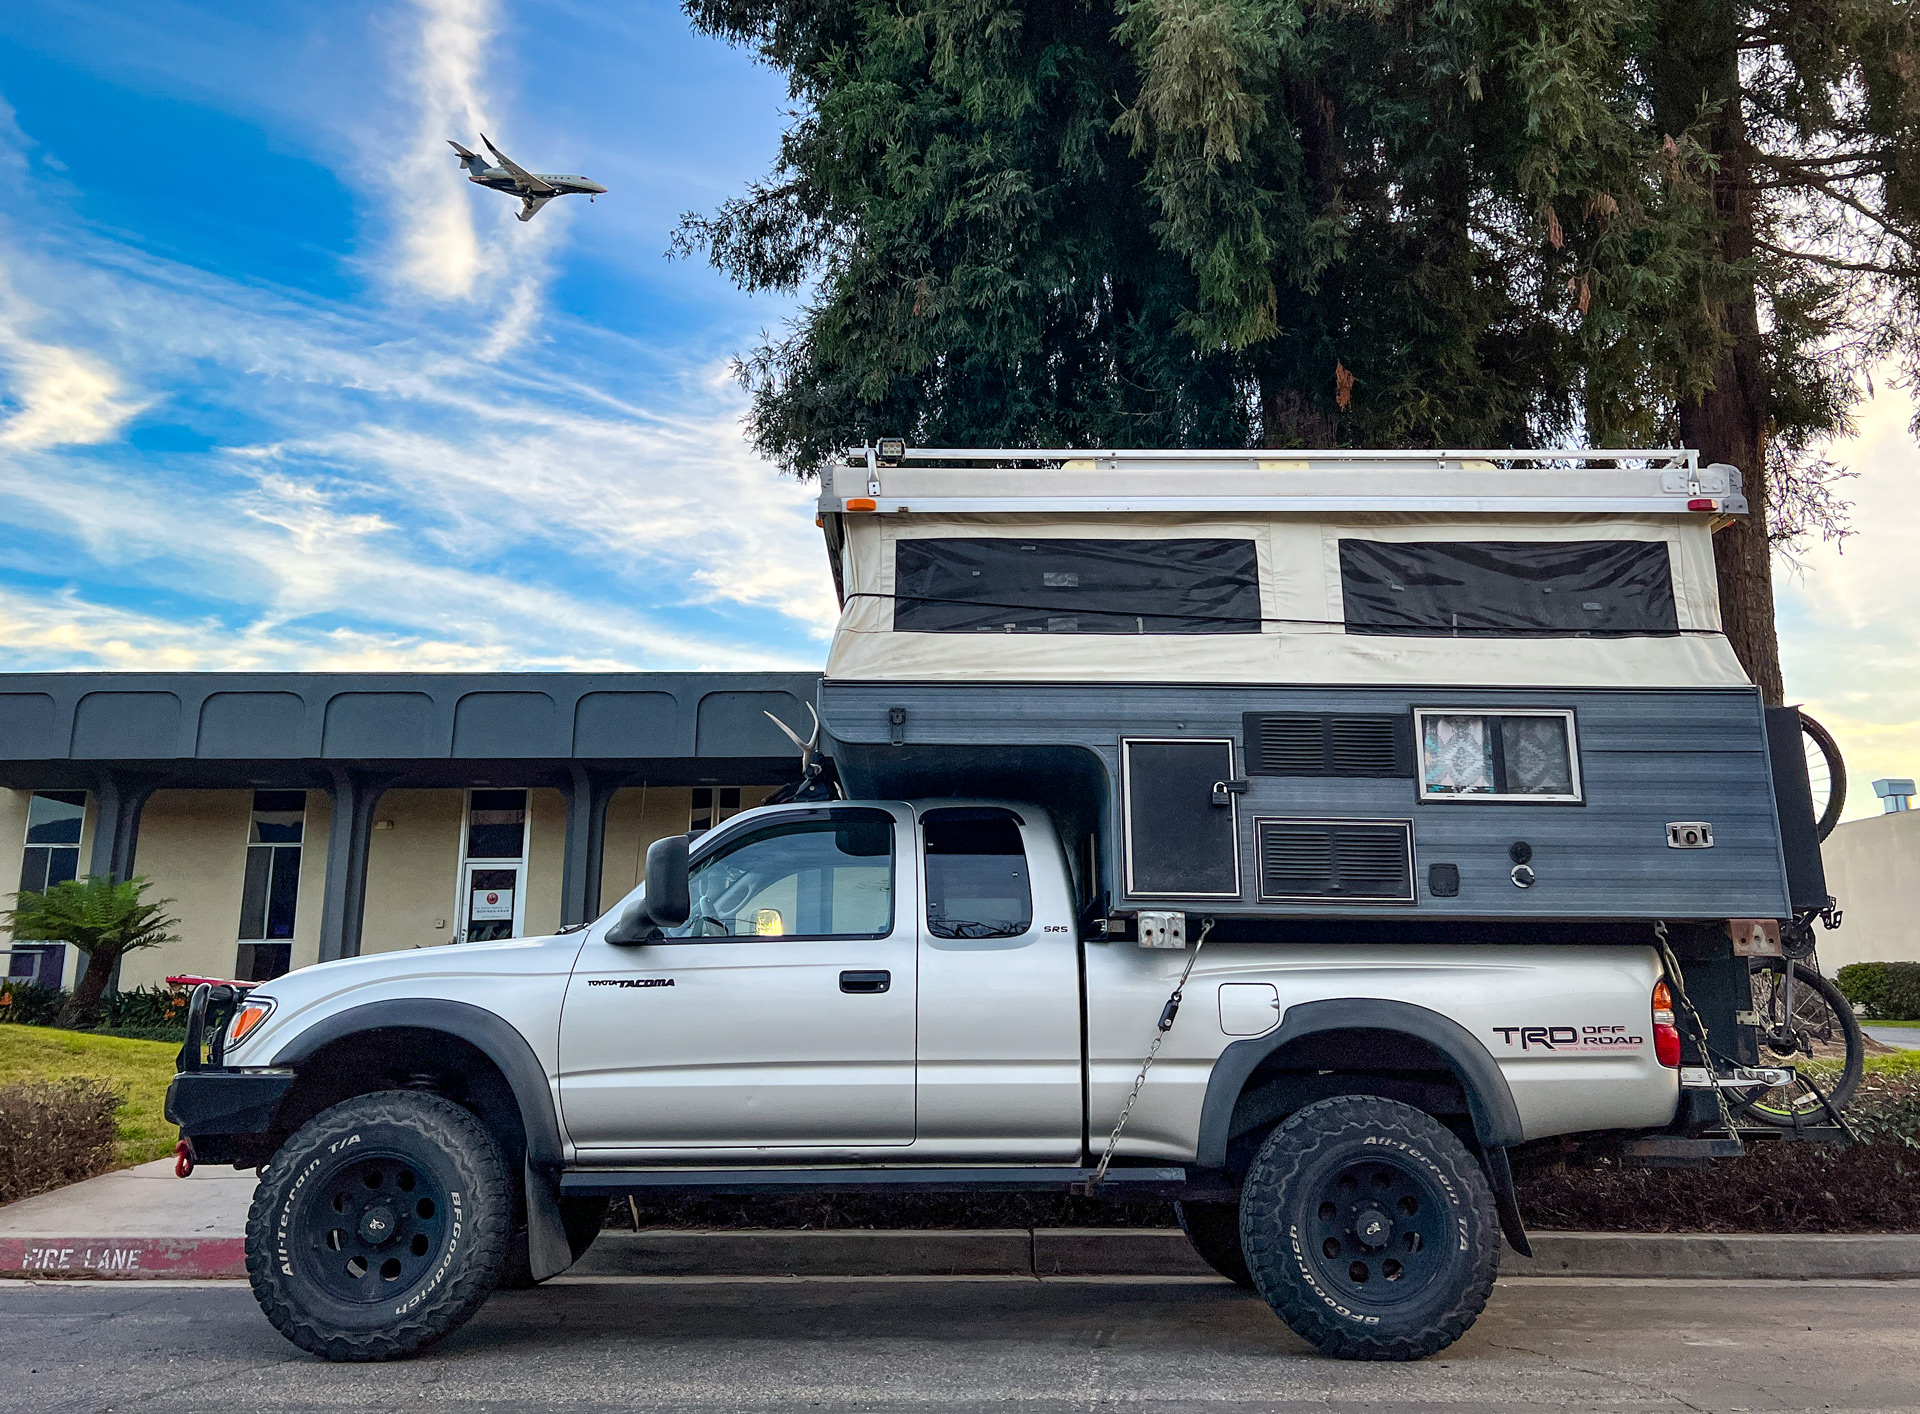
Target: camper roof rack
{"x":890,"y":476}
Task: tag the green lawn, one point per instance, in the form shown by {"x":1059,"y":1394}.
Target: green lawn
{"x":1865,"y":1022}
{"x":1899,"y":1063}
{"x":141,"y":1069}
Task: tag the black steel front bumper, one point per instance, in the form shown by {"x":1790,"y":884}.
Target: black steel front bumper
{"x":227,"y":1115}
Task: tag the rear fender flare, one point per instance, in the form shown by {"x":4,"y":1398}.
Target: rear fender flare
{"x":1496,"y":1119}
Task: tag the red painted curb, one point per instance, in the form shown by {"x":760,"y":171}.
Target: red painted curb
{"x":123,"y":1258}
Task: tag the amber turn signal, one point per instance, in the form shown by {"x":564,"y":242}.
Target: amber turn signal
{"x":247,"y":1020}
{"x":862,"y":503}
{"x":1666,"y":1036}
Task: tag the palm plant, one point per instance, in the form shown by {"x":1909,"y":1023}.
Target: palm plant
{"x":104,"y":918}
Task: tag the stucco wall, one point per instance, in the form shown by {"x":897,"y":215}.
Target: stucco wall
{"x":193,"y":846}
{"x":546,"y":860}
{"x":413,"y":870}
{"x":1873,"y":869}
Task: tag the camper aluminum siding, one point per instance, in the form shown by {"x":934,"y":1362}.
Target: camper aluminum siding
{"x":1645,"y":758}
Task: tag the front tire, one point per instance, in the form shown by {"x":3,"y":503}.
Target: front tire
{"x":1370,"y":1229}
{"x":380,"y":1227}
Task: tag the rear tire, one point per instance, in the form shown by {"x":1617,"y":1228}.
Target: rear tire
{"x":380,"y":1227}
{"x":1214,"y":1231}
{"x":1370,"y":1229}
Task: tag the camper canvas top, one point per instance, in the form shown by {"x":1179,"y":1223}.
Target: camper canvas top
{"x":1491,"y":568}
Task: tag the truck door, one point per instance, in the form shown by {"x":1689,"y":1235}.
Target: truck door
{"x":999,"y":989}
{"x":780,"y":1014}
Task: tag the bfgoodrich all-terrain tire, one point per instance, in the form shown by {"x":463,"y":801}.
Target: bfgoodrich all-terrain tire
{"x":1370,"y":1229}
{"x":1214,"y":1231}
{"x":380,"y":1227}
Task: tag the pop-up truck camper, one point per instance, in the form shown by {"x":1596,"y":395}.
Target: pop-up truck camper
{"x":1291,"y":834}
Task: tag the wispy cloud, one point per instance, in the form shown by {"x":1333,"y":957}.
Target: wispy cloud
{"x":443,"y":72}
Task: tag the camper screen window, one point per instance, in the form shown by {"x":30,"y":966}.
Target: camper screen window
{"x":1076,"y":586}
{"x":1500,"y":589}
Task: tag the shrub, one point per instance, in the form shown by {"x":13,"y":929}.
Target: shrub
{"x":28,"y":1004}
{"x":1890,"y":991}
{"x":145,"y":1009}
{"x":54,"y":1132}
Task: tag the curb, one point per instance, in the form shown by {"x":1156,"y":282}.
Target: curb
{"x":1021,"y":1252}
{"x":123,"y":1258}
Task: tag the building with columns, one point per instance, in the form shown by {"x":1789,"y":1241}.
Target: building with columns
{"x":299,"y":817}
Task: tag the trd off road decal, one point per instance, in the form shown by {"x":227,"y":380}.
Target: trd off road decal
{"x":1569,"y":1039}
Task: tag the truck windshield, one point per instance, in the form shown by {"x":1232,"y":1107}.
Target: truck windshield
{"x":977,"y":883}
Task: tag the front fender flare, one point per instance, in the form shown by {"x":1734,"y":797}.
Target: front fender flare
{"x":1496,"y":1119}
{"x":495,"y":1037}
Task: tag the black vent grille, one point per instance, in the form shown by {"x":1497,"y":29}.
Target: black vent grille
{"x":1336,"y":859}
{"x":1324,"y":744}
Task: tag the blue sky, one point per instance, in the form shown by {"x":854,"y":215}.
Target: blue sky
{"x":280,"y":390}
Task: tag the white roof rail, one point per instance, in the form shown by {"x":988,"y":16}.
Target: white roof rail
{"x":891,"y":477}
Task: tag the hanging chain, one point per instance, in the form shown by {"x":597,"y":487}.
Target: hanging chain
{"x":1167,"y":1014}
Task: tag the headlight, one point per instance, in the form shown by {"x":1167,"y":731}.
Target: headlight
{"x":247,"y":1020}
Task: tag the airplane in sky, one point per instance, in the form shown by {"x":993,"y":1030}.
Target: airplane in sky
{"x":535,"y":189}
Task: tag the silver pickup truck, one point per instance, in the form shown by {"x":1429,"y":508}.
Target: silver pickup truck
{"x":851,"y":995}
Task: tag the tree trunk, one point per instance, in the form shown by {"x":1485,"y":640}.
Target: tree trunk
{"x":92,"y":986}
{"x":1698,"y":56}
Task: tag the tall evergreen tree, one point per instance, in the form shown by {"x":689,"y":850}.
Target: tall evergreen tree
{"x":1358,"y":222}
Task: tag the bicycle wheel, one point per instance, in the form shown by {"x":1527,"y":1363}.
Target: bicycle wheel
{"x":1826,"y":775}
{"x":1819,"y":1038}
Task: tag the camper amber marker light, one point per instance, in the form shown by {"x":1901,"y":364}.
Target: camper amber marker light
{"x":862,"y":503}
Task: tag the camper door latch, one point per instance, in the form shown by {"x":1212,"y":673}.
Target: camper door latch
{"x":1223,"y":791}
{"x":897,"y":720}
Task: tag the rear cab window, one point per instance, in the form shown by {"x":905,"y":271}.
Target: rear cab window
{"x":977,"y":880}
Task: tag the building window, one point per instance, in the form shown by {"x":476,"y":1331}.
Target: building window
{"x":1510,"y":756}
{"x":497,"y":824}
{"x":270,"y":899}
{"x":711,"y":805}
{"x":52,"y":855}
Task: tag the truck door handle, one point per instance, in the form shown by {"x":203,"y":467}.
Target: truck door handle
{"x":865,"y":981}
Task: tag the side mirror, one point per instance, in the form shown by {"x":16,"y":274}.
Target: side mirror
{"x":666,"y":901}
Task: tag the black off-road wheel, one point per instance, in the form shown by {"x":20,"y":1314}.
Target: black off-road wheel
{"x":380,"y":1227}
{"x":1214,"y":1231}
{"x":1370,"y":1229}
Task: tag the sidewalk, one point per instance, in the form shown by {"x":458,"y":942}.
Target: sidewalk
{"x":145,"y":1223}
{"x":138,"y":1222}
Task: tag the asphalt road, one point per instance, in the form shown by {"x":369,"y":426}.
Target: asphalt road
{"x":944,"y":1346}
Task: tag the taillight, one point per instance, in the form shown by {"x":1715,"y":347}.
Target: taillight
{"x":1666,"y":1036}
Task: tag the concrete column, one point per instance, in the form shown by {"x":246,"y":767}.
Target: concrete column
{"x":588,"y":793}
{"x":355,"y":794}
{"x":118,"y":800}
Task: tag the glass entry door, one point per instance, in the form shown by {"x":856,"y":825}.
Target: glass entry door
{"x":493,"y":870}
{"x":492,"y":903}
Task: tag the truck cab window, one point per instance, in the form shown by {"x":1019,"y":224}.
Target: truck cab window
{"x":977,"y":883}
{"x":826,"y":877}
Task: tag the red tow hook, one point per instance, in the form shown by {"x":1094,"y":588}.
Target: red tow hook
{"x":183,"y":1159}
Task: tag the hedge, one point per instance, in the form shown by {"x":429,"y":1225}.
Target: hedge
{"x":1889,"y":991}
{"x":144,"y":1013}
{"x":54,"y":1132}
